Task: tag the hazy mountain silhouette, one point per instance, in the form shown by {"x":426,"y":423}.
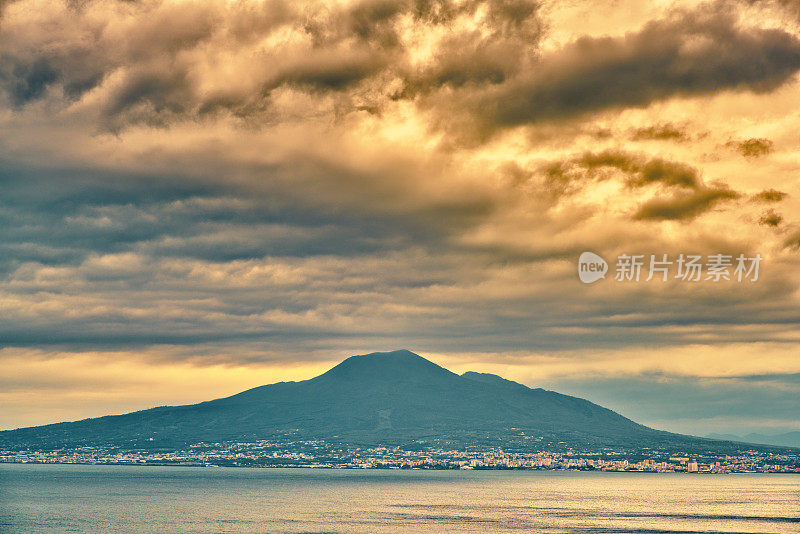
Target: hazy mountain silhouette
{"x":785,"y":439}
{"x":390,"y":398}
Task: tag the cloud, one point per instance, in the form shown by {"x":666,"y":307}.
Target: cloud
{"x":790,"y":7}
{"x":752,"y":148}
{"x":157,"y":63}
{"x":660,"y":132}
{"x":682,"y":193}
{"x":769,"y":195}
{"x":682,"y":206}
{"x":481,"y":70}
{"x":234,"y":183}
{"x":696,"y":52}
{"x":770,"y":218}
{"x":667,"y":173}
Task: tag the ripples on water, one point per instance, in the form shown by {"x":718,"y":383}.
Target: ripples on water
{"x":60,"y":498}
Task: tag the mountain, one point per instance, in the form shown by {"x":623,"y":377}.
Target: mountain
{"x":380,"y":398}
{"x":786,"y":439}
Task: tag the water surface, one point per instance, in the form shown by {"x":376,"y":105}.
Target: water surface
{"x":71,"y":498}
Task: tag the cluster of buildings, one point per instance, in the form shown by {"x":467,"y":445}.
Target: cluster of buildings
{"x":324,"y":455}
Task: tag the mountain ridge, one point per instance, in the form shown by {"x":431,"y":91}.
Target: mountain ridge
{"x":377,"y":398}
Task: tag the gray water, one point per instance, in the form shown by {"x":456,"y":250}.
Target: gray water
{"x":64,"y":498}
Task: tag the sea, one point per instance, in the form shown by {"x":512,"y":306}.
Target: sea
{"x":98,"y":498}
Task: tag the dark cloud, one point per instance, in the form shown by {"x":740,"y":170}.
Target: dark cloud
{"x":661,"y":132}
{"x":668,"y":173}
{"x":369,"y":21}
{"x":466,"y":59}
{"x":752,"y":148}
{"x":619,"y":159}
{"x":155,"y":72}
{"x":684,"y":205}
{"x":29,"y":82}
{"x":331,"y":71}
{"x":770,"y":218}
{"x":477,"y":80}
{"x":689,"y":53}
{"x":151,"y":96}
{"x":683,"y":195}
{"x":506,"y":44}
{"x":602,"y":133}
{"x":114,"y":261}
{"x":568,"y":176}
{"x":769,"y":195}
{"x":81,"y":47}
{"x":642,"y":171}
{"x":66,"y":221}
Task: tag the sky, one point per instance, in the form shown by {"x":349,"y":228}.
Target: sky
{"x":199,"y":197}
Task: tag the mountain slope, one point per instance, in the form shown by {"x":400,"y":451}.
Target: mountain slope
{"x":392,"y":397}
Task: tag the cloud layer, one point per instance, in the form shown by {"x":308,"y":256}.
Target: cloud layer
{"x":288,"y":183}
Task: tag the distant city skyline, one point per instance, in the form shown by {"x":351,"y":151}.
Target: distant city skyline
{"x":204,"y":197}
